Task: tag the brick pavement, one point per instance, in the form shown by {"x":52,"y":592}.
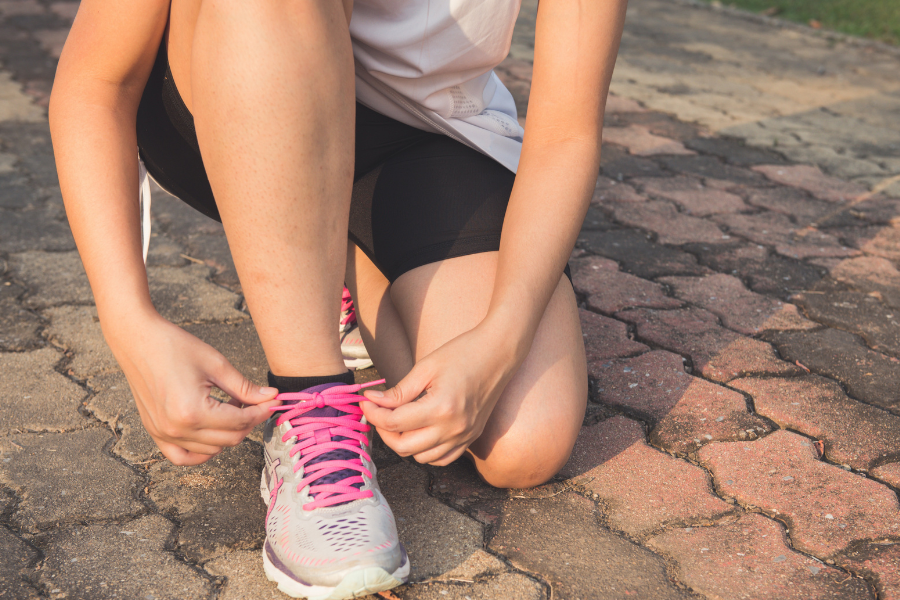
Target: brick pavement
{"x":739,"y":288}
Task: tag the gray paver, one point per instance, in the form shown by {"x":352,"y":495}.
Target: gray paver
{"x":19,"y":328}
{"x":77,"y":328}
{"x":65,"y":478}
{"x":436,"y":537}
{"x":114,"y":404}
{"x":15,"y":559}
{"x":52,"y":278}
{"x":217,"y":503}
{"x":34,"y":397}
{"x":187,"y":295}
{"x":127,"y":560}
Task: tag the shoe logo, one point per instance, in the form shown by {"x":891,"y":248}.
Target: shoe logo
{"x":271,"y":476}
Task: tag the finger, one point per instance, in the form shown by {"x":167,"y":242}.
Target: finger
{"x":226,"y":417}
{"x":409,"y":388}
{"x":405,"y":418}
{"x":230,"y":381}
{"x":410,"y":443}
{"x":179,"y":456}
{"x":444,"y":460}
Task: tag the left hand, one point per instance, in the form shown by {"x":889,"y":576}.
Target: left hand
{"x":444,"y":402}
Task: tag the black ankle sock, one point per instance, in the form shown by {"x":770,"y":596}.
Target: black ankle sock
{"x":286,"y":385}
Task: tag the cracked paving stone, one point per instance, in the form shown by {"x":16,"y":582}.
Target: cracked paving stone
{"x":67,"y":477}
{"x":506,"y":586}
{"x":876,"y":240}
{"x":643,"y":489}
{"x":609,"y":290}
{"x":764,"y":272}
{"x":788,"y":239}
{"x":34,"y":397}
{"x":606,"y":338}
{"x":878,"y":210}
{"x":691,"y":195}
{"x":716,"y":353}
{"x":186,"y":295}
{"x":869,"y":376}
{"x":889,"y":474}
{"x":749,"y":557}
{"x":711,"y":167}
{"x":617,"y":163}
{"x":609,"y":190}
{"x":19,"y":329}
{"x":740,"y":309}
{"x":879,"y":562}
{"x":638,"y":255}
{"x":460,"y":486}
{"x":239,"y":343}
{"x":733,"y":151}
{"x":164,"y":252}
{"x":114,"y":404}
{"x":860,"y":313}
{"x":641,"y":142}
{"x":217,"y":503}
{"x":685,"y":412}
{"x":213,"y":250}
{"x":243,"y":570}
{"x":127,"y":560}
{"x":826,"y":508}
{"x":77,"y":328}
{"x":657,"y":123}
{"x":670,"y":226}
{"x":436,"y":537}
{"x":871,"y":275}
{"x":854,"y":433}
{"x":562,"y":539}
{"x":15,"y":559}
{"x":52,"y":278}
{"x":811,"y":179}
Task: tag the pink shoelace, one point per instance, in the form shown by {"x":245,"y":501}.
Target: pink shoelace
{"x":315,"y":436}
{"x":347,"y":307}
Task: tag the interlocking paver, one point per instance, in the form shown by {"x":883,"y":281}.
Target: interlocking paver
{"x":617,"y":163}
{"x":875,"y":240}
{"x":872,"y":275}
{"x":691,"y":195}
{"x":637,"y":255}
{"x":609,"y":290}
{"x":217,"y":503}
{"x":717,"y":353}
{"x":860,"y":313}
{"x":65,"y":478}
{"x":854,"y":434}
{"x":239,"y":343}
{"x":606,"y":338}
{"x":765,"y":272}
{"x":436,"y":537}
{"x":77,"y":328}
{"x":19,"y":328}
{"x":889,"y":473}
{"x":34,"y":397}
{"x":712,"y":168}
{"x":187,"y":295}
{"x":643,"y":489}
{"x":869,"y":376}
{"x":685,"y":412}
{"x":641,"y":142}
{"x":506,"y":586}
{"x":825,"y":507}
{"x":561,"y":538}
{"x":15,"y":559}
{"x":881,"y":563}
{"x":738,"y":308}
{"x":609,"y":190}
{"x":52,"y":278}
{"x":670,"y":226}
{"x":732,"y":151}
{"x":812,"y":180}
{"x":113,"y":404}
{"x":749,"y":557}
{"x":120,"y":560}
{"x":244,"y":577}
{"x":790,"y":201}
{"x":777,"y":230}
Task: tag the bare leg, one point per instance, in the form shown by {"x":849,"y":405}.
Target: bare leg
{"x":272,"y":92}
{"x":535,"y":423}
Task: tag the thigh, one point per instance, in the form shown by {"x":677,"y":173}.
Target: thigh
{"x":537,"y":419}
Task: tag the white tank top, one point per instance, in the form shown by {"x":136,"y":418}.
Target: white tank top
{"x":429,"y":63}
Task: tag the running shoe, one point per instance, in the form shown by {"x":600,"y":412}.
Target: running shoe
{"x":330,"y":533}
{"x":356,"y":357}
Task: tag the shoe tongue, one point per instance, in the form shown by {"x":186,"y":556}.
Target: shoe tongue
{"x":325,"y":411}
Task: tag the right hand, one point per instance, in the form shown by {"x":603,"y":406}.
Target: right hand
{"x":171,"y":374}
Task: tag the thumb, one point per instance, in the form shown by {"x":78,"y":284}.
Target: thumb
{"x":410,"y":388}
{"x":230,"y":381}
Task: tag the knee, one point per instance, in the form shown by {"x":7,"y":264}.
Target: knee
{"x":523,"y":464}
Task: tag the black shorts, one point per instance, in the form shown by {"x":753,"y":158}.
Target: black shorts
{"x":418,"y":197}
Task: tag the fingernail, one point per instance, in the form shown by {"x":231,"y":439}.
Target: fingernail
{"x":267,"y":390}
{"x":375,"y":393}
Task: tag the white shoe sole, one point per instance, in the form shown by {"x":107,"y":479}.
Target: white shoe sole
{"x":355,"y":584}
{"x":358,"y":364}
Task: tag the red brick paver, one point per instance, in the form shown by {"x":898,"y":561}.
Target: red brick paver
{"x":881,"y":562}
{"x":690,"y":193}
{"x":606,"y":338}
{"x":812,"y":179}
{"x":671,"y":226}
{"x":749,"y":557}
{"x":608,"y":290}
{"x":826,"y":507}
{"x":889,"y":473}
{"x":641,"y":142}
